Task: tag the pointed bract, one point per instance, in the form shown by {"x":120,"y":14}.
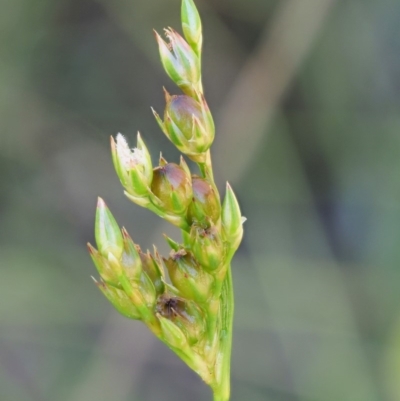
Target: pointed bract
{"x":232,"y":221}
{"x":191,"y":25}
{"x":107,"y":233}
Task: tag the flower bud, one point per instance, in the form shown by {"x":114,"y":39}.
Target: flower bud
{"x":147,"y":290}
{"x":131,"y":261}
{"x":119,"y":300}
{"x":172,"y":334}
{"x":173,"y":188}
{"x":103,"y":267}
{"x":188,"y":124}
{"x":187,"y":276}
{"x":207,"y":247}
{"x":205,"y":205}
{"x":107,"y":233}
{"x":180,"y":62}
{"x":154,"y":270}
{"x":232,"y":220}
{"x":185,"y":314}
{"x":133,"y":167}
{"x":191,"y":25}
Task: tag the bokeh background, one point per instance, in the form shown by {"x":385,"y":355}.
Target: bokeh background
{"x":306,"y":97}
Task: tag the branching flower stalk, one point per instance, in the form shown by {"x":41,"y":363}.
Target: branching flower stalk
{"x":192,"y":312}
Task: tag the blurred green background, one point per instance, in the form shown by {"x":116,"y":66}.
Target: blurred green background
{"x":306,"y":97}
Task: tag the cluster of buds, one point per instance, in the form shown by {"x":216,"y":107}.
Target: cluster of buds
{"x":185,"y":299}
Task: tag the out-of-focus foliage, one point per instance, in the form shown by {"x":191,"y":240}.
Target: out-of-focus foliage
{"x":318,"y":276}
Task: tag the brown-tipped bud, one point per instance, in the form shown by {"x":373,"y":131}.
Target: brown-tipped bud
{"x":188,"y":277}
{"x":154,"y":270}
{"x":205,"y":205}
{"x":173,"y":188}
{"x":207,"y":247}
{"x":119,"y":300}
{"x":188,"y":124}
{"x":185,"y":314}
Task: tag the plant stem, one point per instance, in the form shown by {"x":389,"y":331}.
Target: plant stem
{"x":222,"y":385}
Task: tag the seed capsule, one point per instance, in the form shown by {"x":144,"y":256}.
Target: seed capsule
{"x":188,"y":277}
{"x":172,"y":186}
{"x":185,"y":314}
{"x":205,"y":205}
{"x":207,"y":247}
{"x":188,"y":124}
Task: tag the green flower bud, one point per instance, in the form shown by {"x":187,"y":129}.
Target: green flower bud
{"x":131,"y":261}
{"x":232,"y":220}
{"x":188,"y":277}
{"x":180,"y":62}
{"x":147,"y":290}
{"x":173,"y":188}
{"x":185,"y":314}
{"x":107,"y":233}
{"x":172,"y":334}
{"x":207,"y":247}
{"x":188,"y":124}
{"x":153,"y":269}
{"x":205,"y":205}
{"x":191,"y":25}
{"x":133,"y":167}
{"x":119,"y":300}
{"x":103,"y":267}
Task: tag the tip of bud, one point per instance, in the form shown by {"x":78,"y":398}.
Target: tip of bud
{"x":90,"y":248}
{"x":100,"y":203}
{"x":167,"y":95}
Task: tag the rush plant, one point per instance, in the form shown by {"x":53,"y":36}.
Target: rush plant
{"x":192,"y":311}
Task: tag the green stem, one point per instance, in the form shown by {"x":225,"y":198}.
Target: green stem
{"x":222,"y":368}
{"x":206,"y":167}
